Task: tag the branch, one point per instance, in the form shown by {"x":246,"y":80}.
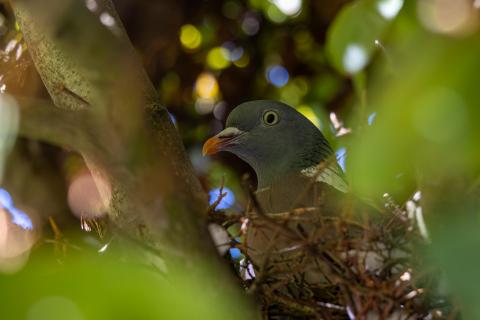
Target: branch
{"x":78,"y":56}
{"x":92,"y":72}
{"x":41,"y":120}
{"x":88,"y":65}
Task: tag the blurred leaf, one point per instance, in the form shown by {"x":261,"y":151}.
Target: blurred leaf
{"x":426,"y":114}
{"x":454,"y":248}
{"x":99,"y":287}
{"x":324,"y":87}
{"x":351,"y":37}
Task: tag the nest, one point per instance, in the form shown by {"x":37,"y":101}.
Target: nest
{"x":347,"y":266}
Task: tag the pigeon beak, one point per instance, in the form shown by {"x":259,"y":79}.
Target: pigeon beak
{"x":221,"y":140}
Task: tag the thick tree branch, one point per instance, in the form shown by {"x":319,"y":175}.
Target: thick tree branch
{"x":123,"y":132}
{"x":42,"y":120}
{"x":81,"y":72}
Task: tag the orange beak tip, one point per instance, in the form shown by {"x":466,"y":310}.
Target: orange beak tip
{"x":211,"y":146}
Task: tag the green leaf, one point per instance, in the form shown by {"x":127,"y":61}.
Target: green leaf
{"x":426,"y":116}
{"x":351,"y":39}
{"x":103,"y":287}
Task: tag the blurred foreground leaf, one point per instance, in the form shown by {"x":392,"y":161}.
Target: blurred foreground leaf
{"x":99,"y":287}
{"x":352,"y":37}
{"x":427,"y":129}
{"x":427,"y":113}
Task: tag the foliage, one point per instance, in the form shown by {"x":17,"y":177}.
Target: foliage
{"x":92,"y":286}
{"x":393,"y":83}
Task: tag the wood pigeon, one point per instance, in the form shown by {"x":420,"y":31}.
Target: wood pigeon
{"x":282,"y":146}
{"x":295,"y":168}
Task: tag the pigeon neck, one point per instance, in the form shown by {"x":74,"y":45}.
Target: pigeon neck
{"x":309,"y":152}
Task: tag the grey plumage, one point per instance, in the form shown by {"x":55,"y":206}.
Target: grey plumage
{"x":292,"y":145}
{"x":295,"y":168}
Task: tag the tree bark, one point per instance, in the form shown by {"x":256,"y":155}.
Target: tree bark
{"x":106,"y":108}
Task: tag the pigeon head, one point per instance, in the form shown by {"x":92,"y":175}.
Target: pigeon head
{"x":273,"y":138}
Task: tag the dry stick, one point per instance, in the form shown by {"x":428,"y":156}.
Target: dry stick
{"x":262,"y":214}
{"x":334,"y":275}
{"x":353,"y":294}
{"x":276,"y":234}
{"x":374,"y":293}
{"x":221,"y":195}
{"x":336,"y":281}
{"x":319,"y":170}
{"x":344,"y":288}
{"x":286,"y":216}
{"x":295,"y":305}
{"x":293,"y":272}
{"x":388,"y":309}
{"x":270,"y":246}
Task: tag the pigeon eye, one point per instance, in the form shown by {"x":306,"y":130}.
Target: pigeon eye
{"x":270,"y":118}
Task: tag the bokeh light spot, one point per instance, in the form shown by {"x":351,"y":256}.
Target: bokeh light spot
{"x":11,"y":45}
{"x":204,"y":106}
{"x":172,"y":118}
{"x":206,"y":86}
{"x":250,"y":24}
{"x":107,"y":20}
{"x":288,"y":7}
{"x":451,"y":17}
{"x":89,"y":197}
{"x":91,"y":5}
{"x":389,"y":8}
{"x":341,"y":155}
{"x":19,"y":217}
{"x":355,"y":58}
{"x":227,"y":201}
{"x":15,"y":242}
{"x":309,"y":114}
{"x":371,"y":118}
{"x":234,"y":52}
{"x":6,"y":200}
{"x":243,"y":61}
{"x":294,"y":91}
{"x":190,"y":37}
{"x":235,"y":253}
{"x":277,"y":75}
{"x":275,"y":15}
{"x":218,"y":58}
